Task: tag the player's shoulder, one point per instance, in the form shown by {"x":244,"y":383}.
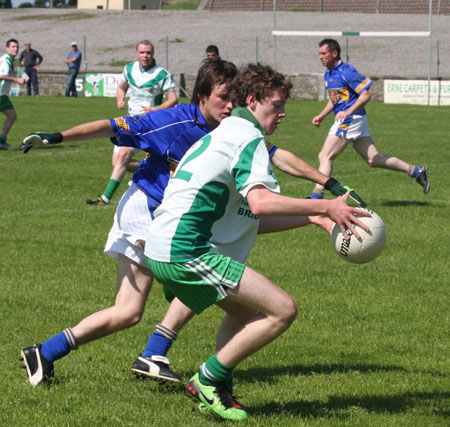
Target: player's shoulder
{"x":345,"y":67}
{"x":182,"y":115}
{"x":238,"y":130}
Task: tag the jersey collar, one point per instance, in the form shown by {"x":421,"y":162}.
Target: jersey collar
{"x":199,"y":119}
{"x":244,"y":113}
{"x":152,"y":64}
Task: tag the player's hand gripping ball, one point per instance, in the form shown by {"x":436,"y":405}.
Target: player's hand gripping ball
{"x":366,"y":249}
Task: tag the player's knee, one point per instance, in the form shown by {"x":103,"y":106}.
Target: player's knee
{"x":12,"y":117}
{"x":130,"y":316}
{"x":122,"y":157}
{"x":324,"y":157}
{"x":373,"y":161}
{"x":288,"y":313}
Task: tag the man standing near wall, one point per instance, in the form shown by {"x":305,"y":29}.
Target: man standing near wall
{"x":31,"y":59}
{"x":73,"y":61}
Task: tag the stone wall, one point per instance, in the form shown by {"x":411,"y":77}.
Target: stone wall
{"x":305,"y":86}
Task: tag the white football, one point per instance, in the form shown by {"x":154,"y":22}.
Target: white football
{"x":366,"y":249}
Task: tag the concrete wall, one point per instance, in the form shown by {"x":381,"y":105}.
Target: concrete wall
{"x":305,"y":86}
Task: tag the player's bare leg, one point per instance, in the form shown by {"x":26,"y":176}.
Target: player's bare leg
{"x":332,"y":147}
{"x":134,"y":284}
{"x":122,"y":162}
{"x":366,"y":148}
{"x":11,"y":117}
{"x":236,"y":317}
{"x":153,"y":363}
{"x":274,"y":310}
{"x":271,"y":311}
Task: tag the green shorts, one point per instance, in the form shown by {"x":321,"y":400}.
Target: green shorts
{"x":198,"y":283}
{"x":5,"y":103}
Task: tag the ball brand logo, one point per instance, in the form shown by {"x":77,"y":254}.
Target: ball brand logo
{"x":345,"y":244}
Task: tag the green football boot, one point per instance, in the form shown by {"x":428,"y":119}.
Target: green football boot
{"x":217,"y":398}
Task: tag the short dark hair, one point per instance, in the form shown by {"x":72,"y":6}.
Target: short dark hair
{"x":213,"y":48}
{"x":259,"y":79}
{"x":211,"y":73}
{"x":332,"y":45}
{"x":146,"y":43}
{"x":11,"y":41}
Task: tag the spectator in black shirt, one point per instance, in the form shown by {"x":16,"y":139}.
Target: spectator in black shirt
{"x":31,"y":59}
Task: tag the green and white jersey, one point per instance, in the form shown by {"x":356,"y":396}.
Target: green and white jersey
{"x":204,"y":207}
{"x":146,"y":87}
{"x":6,"y":69}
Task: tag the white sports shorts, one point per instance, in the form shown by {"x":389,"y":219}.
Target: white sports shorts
{"x":131,"y":223}
{"x":353,"y":128}
{"x":134,"y":150}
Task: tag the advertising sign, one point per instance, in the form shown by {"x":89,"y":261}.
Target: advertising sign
{"x":100,"y":84}
{"x":416,"y":92}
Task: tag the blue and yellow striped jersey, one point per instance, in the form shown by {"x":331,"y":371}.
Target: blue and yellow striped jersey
{"x":165,"y":135}
{"x":344,"y":85}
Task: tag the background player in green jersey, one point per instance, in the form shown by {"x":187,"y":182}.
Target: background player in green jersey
{"x":6,"y":78}
{"x":146,"y":84}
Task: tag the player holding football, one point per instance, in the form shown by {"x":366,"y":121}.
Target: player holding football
{"x":146,"y":83}
{"x":166,"y":135}
{"x":202,"y":235}
{"x":348,"y":93}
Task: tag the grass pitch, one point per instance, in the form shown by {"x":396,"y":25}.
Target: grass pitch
{"x":370,"y":346}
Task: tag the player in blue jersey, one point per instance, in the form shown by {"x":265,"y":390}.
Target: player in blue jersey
{"x":349,"y":92}
{"x":165,"y":135}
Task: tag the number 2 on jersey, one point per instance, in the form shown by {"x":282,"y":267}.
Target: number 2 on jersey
{"x":184,"y":175}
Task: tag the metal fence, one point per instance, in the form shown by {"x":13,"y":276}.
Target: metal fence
{"x":440,"y":7}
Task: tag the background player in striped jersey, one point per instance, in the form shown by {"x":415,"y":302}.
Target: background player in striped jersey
{"x":348,"y":93}
{"x":146,"y":85}
{"x":6,"y":78}
{"x":166,"y":135}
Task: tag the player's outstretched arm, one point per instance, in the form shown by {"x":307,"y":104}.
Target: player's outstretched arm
{"x":92,"y":130}
{"x":269,"y":224}
{"x":338,"y":189}
{"x":288,"y":162}
{"x":293,"y":165}
{"x":263,"y":202}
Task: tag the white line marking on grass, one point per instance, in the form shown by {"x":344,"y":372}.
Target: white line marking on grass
{"x":55,"y":211}
{"x":45,"y":152}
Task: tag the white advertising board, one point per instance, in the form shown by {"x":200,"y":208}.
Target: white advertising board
{"x":416,"y":92}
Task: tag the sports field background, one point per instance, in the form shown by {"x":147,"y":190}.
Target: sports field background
{"x":370,"y":345}
{"x":111,"y":37}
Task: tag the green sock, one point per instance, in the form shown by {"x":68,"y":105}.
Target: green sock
{"x":113,"y":185}
{"x":2,"y":139}
{"x":213,"y":372}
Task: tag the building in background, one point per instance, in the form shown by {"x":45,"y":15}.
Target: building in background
{"x":120,"y":4}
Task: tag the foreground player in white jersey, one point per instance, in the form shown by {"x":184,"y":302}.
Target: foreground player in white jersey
{"x":146,"y":84}
{"x":222,"y":194}
{"x":349,"y":92}
{"x":166,"y":135}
